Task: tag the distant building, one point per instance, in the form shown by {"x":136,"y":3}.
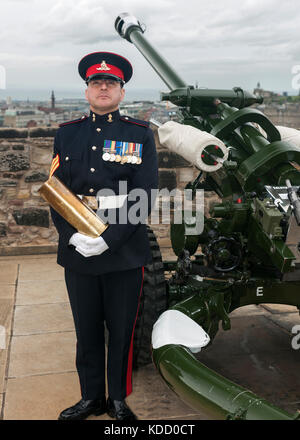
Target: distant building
{"x":261,"y":92}
{"x":8,"y":101}
{"x":31,"y":123}
{"x":161,"y":111}
{"x":52,"y":109}
{"x":278,"y":108}
{"x":52,"y":100}
{"x":20,"y":119}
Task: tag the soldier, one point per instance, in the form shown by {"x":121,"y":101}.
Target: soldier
{"x":104,"y":275}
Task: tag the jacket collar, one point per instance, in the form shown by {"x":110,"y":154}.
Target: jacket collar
{"x":106,"y":118}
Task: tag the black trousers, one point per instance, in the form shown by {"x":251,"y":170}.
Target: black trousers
{"x":114,"y":298}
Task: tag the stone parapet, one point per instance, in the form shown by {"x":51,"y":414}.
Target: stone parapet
{"x":25,"y":157}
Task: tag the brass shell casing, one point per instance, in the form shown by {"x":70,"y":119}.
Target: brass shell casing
{"x":71,"y":208}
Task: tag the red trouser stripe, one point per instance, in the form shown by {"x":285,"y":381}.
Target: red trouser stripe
{"x":129,"y":365}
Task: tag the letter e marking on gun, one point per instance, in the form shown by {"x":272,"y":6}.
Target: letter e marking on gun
{"x":259,"y":291}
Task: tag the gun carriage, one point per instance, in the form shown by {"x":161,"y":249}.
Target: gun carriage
{"x":249,"y":243}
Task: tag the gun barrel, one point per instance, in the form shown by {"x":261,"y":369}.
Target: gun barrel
{"x":130,"y":28}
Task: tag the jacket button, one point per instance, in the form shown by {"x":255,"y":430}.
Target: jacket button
{"x":91,"y":190}
{"x":94,"y":148}
{"x":98,"y":129}
{"x":67,"y":158}
{"x":92,"y":170}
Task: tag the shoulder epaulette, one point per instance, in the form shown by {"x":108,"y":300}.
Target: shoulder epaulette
{"x":83,"y":118}
{"x":135,"y":121}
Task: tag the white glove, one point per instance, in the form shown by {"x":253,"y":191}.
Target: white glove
{"x":88,"y":246}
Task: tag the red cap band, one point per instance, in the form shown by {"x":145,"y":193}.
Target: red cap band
{"x":97,"y":69}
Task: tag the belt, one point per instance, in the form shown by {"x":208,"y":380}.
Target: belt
{"x":104,"y":202}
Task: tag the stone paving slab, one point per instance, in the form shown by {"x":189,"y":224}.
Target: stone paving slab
{"x":6,"y":312}
{"x":36,"y":270}
{"x":8,"y":272}
{"x":35,"y":264}
{"x":21,"y":258}
{"x":247,"y":311}
{"x":35,"y":292}
{"x":40,"y":397}
{"x":280,"y":308}
{"x":286,"y":320}
{"x":8,"y":277}
{"x":7,"y":291}
{"x":42,"y":318}
{"x":42,"y":354}
{"x":256,"y":334}
{"x":3,"y":367}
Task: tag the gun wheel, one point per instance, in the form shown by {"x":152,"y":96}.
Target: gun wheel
{"x":153,"y":303}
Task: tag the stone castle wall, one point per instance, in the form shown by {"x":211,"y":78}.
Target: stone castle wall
{"x":288,"y":117}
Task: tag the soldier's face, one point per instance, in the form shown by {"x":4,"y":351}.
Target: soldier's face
{"x":104,"y":95}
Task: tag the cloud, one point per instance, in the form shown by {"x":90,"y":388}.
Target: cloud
{"x":217,"y":43}
{"x":90,"y":21}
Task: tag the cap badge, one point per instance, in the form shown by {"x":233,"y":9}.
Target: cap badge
{"x":103,"y":66}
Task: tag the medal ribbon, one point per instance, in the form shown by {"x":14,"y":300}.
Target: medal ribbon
{"x":123,"y":148}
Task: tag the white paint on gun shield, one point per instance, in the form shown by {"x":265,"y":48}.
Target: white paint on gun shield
{"x":259,"y":291}
{"x":296,"y":339}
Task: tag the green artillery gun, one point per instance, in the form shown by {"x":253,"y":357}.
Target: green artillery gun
{"x":249,"y":244}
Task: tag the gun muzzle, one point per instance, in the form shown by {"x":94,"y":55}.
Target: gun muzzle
{"x":125,"y":23}
{"x":132,"y":30}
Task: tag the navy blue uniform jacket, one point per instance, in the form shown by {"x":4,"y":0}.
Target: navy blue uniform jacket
{"x":79,"y":145}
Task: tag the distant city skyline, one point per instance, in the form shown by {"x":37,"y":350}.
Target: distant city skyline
{"x":215,"y":46}
{"x":131,"y":95}
{"x":44,"y":95}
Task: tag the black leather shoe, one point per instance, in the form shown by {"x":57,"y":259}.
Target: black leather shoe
{"x":118,"y":409}
{"x":83,"y":409}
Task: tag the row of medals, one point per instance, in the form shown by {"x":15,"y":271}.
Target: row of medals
{"x":122,"y":159}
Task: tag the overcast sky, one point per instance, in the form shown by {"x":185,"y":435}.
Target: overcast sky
{"x":219,"y":44}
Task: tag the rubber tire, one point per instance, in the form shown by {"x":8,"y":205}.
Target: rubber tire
{"x":153,"y":303}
